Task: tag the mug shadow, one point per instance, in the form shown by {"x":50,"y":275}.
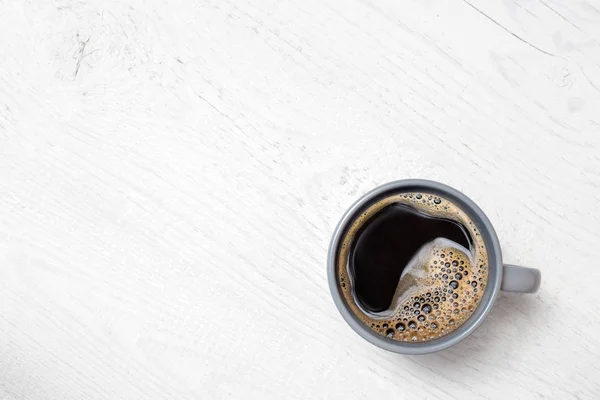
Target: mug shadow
{"x":491,"y":336}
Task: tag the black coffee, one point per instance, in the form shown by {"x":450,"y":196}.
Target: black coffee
{"x":412,"y":266}
{"x":385,"y":245}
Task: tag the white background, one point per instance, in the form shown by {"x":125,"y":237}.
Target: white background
{"x":171,"y":173}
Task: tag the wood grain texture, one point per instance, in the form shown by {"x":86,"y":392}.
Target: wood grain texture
{"x":171,"y":173}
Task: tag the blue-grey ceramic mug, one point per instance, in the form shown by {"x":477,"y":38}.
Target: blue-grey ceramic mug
{"x":501,"y":276}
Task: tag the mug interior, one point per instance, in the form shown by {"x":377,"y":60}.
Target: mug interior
{"x":494,"y":265}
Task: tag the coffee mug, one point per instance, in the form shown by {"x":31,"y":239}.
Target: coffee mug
{"x":509,"y":278}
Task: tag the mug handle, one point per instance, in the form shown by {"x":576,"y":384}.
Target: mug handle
{"x":520,"y":279}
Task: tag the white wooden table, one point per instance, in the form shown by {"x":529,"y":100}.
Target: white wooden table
{"x":171,"y":173}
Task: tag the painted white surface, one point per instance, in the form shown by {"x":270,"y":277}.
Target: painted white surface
{"x":171,"y":172}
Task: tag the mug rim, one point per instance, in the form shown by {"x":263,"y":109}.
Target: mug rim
{"x":494,"y":264}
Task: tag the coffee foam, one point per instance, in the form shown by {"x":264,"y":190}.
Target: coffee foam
{"x":440,"y":287}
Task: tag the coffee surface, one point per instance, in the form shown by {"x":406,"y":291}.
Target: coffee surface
{"x":412,"y":267}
